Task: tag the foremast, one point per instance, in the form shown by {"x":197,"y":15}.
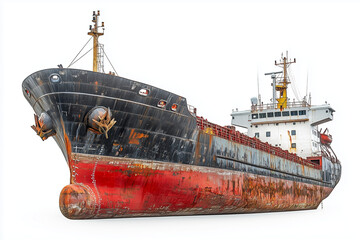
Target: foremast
{"x":94,"y":32}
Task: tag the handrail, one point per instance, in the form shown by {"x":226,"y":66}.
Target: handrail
{"x":260,"y":107}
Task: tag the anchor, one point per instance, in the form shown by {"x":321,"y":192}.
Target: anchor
{"x":43,"y":126}
{"x":101,"y":121}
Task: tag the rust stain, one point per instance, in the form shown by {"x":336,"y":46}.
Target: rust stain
{"x":289,"y":137}
{"x":197,"y":150}
{"x":157,"y":188}
{"x":67,"y":145}
{"x":292,"y":150}
{"x":210,"y":142}
{"x":96,"y":86}
{"x":68,"y":151}
{"x":135,"y":137}
{"x":302,"y":169}
{"x":77,"y":202}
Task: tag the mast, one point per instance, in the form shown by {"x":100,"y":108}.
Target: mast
{"x":96,"y":34}
{"x":282,"y":86}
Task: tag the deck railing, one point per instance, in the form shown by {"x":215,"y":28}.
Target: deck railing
{"x":260,"y":107}
{"x":231,"y":134}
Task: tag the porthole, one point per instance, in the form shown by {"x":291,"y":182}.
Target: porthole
{"x":55,"y":78}
{"x":144,"y":92}
{"x":174,"y":107}
{"x":161,"y":104}
{"x":27,"y":92}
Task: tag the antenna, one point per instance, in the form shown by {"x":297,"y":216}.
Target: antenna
{"x":273,"y":77}
{"x":307,"y":83}
{"x":258,"y":88}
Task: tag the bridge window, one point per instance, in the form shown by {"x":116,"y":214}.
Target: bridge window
{"x":294,"y":113}
{"x":262,"y":115}
{"x":277,"y":114}
{"x":302,"y":112}
{"x":285,"y":114}
{"x":255,"y":116}
{"x":270,"y":114}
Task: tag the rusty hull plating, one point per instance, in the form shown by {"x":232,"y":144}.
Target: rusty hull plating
{"x":123,"y":187}
{"x":155,"y":161}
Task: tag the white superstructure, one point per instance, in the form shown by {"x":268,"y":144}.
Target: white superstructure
{"x":292,"y":126}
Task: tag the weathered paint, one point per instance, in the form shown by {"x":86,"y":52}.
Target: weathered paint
{"x":119,"y":187}
{"x":135,"y":137}
{"x":156,"y":161}
{"x":75,"y":200}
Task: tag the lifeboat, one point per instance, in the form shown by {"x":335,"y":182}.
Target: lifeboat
{"x":325,"y":137}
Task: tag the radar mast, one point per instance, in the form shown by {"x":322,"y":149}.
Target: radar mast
{"x":281,"y":86}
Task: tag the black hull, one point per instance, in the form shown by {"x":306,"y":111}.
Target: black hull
{"x":145,"y":131}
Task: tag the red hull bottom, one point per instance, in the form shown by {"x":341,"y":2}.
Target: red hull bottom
{"x":106,"y":187}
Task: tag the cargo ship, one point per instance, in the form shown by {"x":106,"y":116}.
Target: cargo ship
{"x":137,"y":150}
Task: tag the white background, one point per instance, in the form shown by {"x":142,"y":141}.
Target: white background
{"x":207,"y":51}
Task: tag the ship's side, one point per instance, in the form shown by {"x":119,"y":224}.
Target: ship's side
{"x":158,"y":158}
